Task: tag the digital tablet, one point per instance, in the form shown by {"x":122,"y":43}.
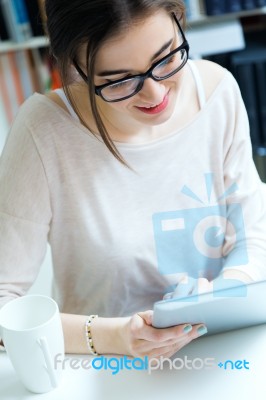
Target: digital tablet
{"x":222,"y":310}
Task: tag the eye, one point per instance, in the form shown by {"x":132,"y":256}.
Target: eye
{"x":128,"y":76}
{"x":168,"y":60}
{"x":116,"y":86}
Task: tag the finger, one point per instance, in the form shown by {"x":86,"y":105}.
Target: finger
{"x":178,"y":346}
{"x":204,"y":286}
{"x":168,"y":296}
{"x":169,"y":354}
{"x":156,"y":335}
{"x":147,"y":347}
{"x":141,"y":329}
{"x":170,"y":349}
{"x":146,"y":316}
{"x":184,"y":287}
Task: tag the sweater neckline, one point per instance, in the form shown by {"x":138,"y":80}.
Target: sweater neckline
{"x":124,"y":145}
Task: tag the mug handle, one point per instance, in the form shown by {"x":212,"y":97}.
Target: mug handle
{"x":48,"y":360}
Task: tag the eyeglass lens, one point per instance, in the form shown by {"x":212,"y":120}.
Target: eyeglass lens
{"x":165,"y":69}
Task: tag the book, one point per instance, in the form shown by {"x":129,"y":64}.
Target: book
{"x":215,"y":37}
{"x":244,"y":73}
{"x":3,"y":27}
{"x":5,"y":108}
{"x":54,"y":81}
{"x":260,"y":3}
{"x":196,"y":9}
{"x":232,"y":6}
{"x":10,"y":20}
{"x":40,"y":70}
{"x":260,"y":68}
{"x":42,"y":13}
{"x":188,"y":11}
{"x":22,"y":18}
{"x":35,"y":18}
{"x":215,"y":7}
{"x":8,"y":86}
{"x":14,"y":72}
{"x":16,"y":18}
{"x":25,"y":70}
{"x":248,"y":4}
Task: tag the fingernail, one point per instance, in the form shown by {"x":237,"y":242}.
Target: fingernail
{"x":168,"y":296}
{"x":187,"y":328}
{"x":202,"y":330}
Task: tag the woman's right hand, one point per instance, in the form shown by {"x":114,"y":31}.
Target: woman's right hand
{"x":134,"y":336}
{"x":142,"y":339}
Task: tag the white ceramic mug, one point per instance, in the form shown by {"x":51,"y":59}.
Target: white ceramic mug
{"x":31,"y":329}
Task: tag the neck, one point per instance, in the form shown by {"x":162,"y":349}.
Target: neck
{"x":123,"y":128}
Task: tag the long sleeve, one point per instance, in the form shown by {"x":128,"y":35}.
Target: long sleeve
{"x":25,"y":212}
{"x":249,"y":199}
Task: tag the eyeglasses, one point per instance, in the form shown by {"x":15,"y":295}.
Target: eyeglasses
{"x":124,"y":88}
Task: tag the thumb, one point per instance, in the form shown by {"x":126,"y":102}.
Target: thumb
{"x":146,"y":316}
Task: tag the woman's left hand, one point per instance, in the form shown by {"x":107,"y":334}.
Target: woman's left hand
{"x":190,"y":286}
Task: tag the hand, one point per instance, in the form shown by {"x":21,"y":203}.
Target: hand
{"x":142,"y":339}
{"x":189,"y":286}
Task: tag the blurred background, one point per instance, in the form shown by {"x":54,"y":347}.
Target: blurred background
{"x":229,"y":32}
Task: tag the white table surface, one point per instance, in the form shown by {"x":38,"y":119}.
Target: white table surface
{"x":216,"y":383}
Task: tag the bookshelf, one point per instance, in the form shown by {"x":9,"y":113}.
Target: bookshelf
{"x":202,"y":19}
{"x":33,"y":43}
{"x":205,"y":19}
{"x":208,"y":35}
{"x":248,"y":65}
{"x":25,"y":63}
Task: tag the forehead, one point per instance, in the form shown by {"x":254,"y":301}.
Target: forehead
{"x":139,"y":42}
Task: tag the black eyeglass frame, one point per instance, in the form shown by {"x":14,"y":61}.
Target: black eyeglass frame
{"x":145,"y":75}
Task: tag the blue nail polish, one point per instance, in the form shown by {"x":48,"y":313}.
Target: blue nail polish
{"x":202,"y":330}
{"x":187,"y":328}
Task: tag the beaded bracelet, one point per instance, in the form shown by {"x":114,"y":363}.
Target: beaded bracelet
{"x":88,"y":335}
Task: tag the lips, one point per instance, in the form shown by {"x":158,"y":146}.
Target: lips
{"x":157,"y":109}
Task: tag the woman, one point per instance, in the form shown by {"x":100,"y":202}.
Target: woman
{"x":144,"y":143}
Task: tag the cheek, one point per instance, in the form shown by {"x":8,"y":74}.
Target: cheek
{"x":179,"y":77}
{"x":123,"y":105}
{"x":175,"y":80}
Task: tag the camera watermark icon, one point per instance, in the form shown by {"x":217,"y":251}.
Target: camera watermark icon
{"x":191,"y":240}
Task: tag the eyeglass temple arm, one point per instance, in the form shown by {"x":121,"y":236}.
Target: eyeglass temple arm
{"x":81,"y":73}
{"x":179,"y":26}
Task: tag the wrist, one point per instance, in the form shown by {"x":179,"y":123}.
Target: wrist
{"x":88,"y":334}
{"x":110,"y":335}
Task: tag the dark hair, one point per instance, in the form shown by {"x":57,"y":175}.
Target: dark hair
{"x":72,"y":23}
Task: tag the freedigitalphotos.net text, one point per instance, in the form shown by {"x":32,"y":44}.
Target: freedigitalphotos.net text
{"x":118,"y":364}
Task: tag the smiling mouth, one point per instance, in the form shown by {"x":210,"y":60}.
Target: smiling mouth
{"x":156,"y":109}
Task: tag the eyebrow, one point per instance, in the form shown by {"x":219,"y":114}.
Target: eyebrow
{"x":123,"y":71}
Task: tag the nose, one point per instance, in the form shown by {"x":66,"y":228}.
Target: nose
{"x":152,"y":91}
